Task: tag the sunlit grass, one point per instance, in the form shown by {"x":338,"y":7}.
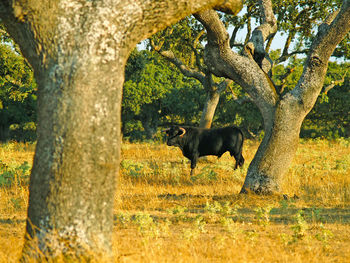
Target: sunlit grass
{"x":162,"y":214}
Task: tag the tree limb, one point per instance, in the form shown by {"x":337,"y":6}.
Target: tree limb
{"x":194,"y":49}
{"x":335,"y":83}
{"x":285,"y":54}
{"x":329,"y":35}
{"x":169,"y":55}
{"x":255,"y":46}
{"x":233,"y":36}
{"x":280,"y":88}
{"x":223,"y":62}
{"x":284,"y":57}
{"x":223,"y":85}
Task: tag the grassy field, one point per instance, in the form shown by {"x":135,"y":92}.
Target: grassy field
{"x":162,"y":214}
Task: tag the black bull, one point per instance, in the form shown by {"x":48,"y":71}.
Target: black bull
{"x":196,"y":142}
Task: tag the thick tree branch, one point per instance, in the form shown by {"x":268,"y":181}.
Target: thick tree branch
{"x":255,"y":46}
{"x":169,"y":12}
{"x":223,"y":62}
{"x":330,"y":33}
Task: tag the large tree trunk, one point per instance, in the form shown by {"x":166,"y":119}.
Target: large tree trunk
{"x":279,"y":145}
{"x":282,"y":115}
{"x":76,"y":160}
{"x":78,"y":50}
{"x":276,"y":151}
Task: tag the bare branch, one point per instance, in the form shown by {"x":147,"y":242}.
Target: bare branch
{"x":249,"y":30}
{"x":169,"y":55}
{"x":269,"y":42}
{"x":283,"y":58}
{"x":285,"y":55}
{"x":335,"y":83}
{"x":233,"y":36}
{"x":194,"y":48}
{"x":198,"y":58}
{"x":223,"y":85}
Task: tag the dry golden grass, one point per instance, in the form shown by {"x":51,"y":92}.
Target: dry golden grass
{"x":162,"y":214}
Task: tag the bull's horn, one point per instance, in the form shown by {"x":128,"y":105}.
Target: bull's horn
{"x":183,"y":131}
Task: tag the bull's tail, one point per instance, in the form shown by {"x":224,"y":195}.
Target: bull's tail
{"x":241,"y":158}
{"x":237,"y":152}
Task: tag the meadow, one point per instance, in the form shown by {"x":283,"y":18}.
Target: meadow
{"x":162,"y":214}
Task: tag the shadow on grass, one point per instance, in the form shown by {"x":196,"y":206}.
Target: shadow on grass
{"x":9,"y":221}
{"x":282,"y":211}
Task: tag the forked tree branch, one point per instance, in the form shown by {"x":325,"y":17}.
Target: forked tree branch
{"x":223,"y":62}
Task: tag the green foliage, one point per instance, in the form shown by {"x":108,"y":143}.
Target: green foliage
{"x":134,"y":169}
{"x":330,"y":118}
{"x":205,"y":176}
{"x":217,"y":211}
{"x":245,"y":115}
{"x":301,"y":226}
{"x":17,"y":91}
{"x":324,"y":235}
{"x":152,"y":92}
{"x":262,"y":215}
{"x":122,"y":219}
{"x":146,"y":225}
{"x":16,"y":175}
{"x":180,"y":37}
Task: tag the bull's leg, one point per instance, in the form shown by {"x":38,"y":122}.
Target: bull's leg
{"x":236,"y":164}
{"x":193,"y":164}
{"x":237,"y":159}
{"x":192,"y":172}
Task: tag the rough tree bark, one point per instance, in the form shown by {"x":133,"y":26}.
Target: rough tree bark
{"x":78,"y":50}
{"x":282,"y":115}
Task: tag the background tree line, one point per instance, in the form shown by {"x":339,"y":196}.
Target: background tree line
{"x":157,"y":94}
{"x":161,"y":86}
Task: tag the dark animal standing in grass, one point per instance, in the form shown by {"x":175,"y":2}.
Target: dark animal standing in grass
{"x":196,"y":142}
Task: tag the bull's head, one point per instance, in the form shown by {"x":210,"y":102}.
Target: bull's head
{"x":175,"y":135}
